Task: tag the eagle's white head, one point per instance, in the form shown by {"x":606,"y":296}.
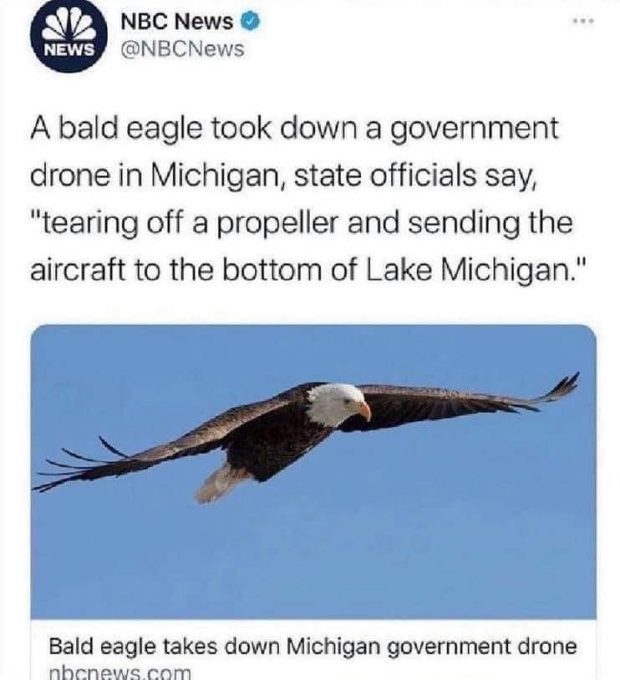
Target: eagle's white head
{"x":331,"y":404}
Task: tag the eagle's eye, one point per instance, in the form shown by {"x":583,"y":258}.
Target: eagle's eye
{"x":348,"y":401}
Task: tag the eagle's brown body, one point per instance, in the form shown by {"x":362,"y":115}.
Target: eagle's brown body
{"x":264,"y":448}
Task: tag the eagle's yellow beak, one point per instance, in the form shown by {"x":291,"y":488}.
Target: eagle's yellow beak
{"x":364,"y":410}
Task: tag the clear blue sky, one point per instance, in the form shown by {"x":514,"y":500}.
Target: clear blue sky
{"x":490,"y":515}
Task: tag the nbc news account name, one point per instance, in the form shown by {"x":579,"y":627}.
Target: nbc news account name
{"x":179,"y":21}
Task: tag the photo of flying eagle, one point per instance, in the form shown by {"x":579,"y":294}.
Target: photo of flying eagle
{"x":263,"y":438}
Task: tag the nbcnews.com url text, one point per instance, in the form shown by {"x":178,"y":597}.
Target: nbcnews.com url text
{"x":81,"y":673}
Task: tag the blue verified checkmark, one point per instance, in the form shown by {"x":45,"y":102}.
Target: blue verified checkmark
{"x":250,"y":21}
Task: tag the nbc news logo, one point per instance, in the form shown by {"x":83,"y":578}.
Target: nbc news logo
{"x":69,"y":32}
{"x":68,"y":35}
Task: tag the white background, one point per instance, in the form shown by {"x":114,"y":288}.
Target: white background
{"x":454,"y":59}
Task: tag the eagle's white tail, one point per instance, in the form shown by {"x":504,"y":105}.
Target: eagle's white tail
{"x":220,"y":483}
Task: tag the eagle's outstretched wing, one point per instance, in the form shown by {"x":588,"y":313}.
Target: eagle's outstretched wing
{"x":206,"y":437}
{"x":392,"y":406}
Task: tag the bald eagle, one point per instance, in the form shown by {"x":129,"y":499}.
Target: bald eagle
{"x":263,"y":438}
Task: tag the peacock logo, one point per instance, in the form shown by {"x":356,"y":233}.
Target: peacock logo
{"x":68,"y":35}
{"x":69,"y":25}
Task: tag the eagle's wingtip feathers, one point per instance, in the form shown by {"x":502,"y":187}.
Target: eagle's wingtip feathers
{"x":567,"y":385}
{"x":111,"y":448}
